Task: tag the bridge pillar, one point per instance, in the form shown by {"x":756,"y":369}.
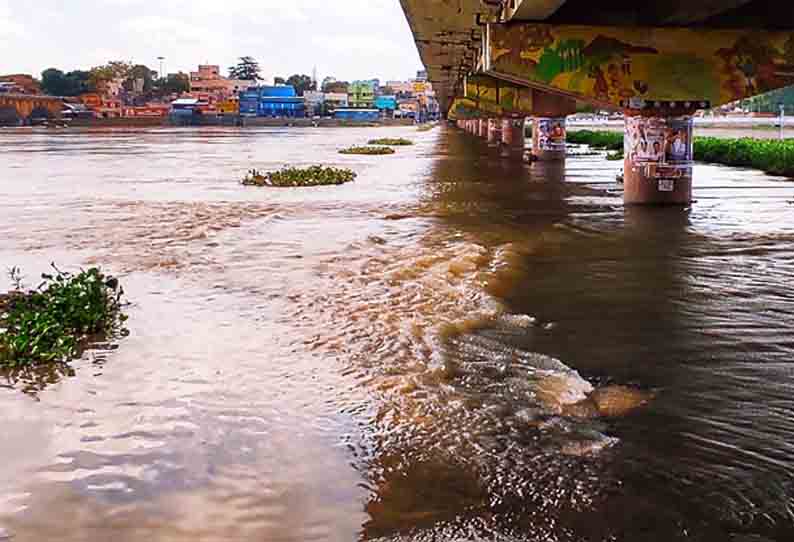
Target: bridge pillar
{"x":658,"y":148}
{"x":513,"y":137}
{"x":494,"y":131}
{"x":548,"y":139}
{"x":548,"y":130}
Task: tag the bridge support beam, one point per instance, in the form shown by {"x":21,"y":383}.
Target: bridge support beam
{"x":658,"y":148}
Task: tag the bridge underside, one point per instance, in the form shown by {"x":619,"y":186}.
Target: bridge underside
{"x":451,"y":38}
{"x":492,"y":62}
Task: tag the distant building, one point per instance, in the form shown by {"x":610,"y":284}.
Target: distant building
{"x":185,"y":109}
{"x":386,"y":104}
{"x":272,"y":101}
{"x":362,"y":93}
{"x":421,"y":75}
{"x":208,"y":80}
{"x":314,"y":101}
{"x":401,"y":87}
{"x":357,"y":114}
{"x":21,"y":83}
{"x":336,"y":99}
{"x":103,"y":105}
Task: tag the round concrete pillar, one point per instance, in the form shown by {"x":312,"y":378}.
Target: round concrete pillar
{"x":658,"y":150}
{"x":548,"y":139}
{"x":494,"y":131}
{"x":513,"y":137}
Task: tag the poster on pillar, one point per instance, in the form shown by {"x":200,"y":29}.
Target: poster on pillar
{"x":551,"y":134}
{"x":660,"y":149}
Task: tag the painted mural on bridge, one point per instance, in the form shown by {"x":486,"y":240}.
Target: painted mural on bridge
{"x":494,"y":96}
{"x":616,"y":65}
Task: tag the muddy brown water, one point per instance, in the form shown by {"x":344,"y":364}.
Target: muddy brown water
{"x":381,"y":360}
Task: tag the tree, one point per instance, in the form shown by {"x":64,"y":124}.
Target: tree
{"x":57,"y":83}
{"x":302,"y":83}
{"x":279,"y":81}
{"x":175,"y":83}
{"x":115,"y":69}
{"x":247,"y":69}
{"x":327,"y":81}
{"x":340,"y":87}
{"x":137,"y":74}
{"x":53,"y":82}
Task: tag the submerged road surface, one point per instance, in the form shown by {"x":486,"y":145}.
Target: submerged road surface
{"x":412,"y":356}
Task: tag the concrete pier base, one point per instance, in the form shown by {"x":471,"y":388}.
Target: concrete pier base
{"x":658,"y":161}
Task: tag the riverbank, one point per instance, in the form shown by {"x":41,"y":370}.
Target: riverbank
{"x":254,"y":122}
{"x":775,"y":157}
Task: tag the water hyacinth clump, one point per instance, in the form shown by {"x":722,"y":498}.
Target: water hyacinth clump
{"x":54,"y":322}
{"x":391,"y":142}
{"x":611,"y":141}
{"x":373,"y":151}
{"x":296,"y":177}
{"x":772,"y":156}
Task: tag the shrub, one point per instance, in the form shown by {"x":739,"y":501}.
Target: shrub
{"x":390,"y":142}
{"x":54,"y":322}
{"x":367,"y":150}
{"x":772,"y":156}
{"x":294,"y":177}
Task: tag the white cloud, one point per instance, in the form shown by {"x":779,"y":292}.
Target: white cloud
{"x":354,"y":39}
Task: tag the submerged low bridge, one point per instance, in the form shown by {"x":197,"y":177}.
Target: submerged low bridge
{"x":495,"y":62}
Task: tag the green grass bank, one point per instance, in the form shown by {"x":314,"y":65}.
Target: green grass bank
{"x":775,"y":157}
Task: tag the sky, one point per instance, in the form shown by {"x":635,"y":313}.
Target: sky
{"x":349,"y":39}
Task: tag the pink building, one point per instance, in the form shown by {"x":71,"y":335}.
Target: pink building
{"x":208,"y":80}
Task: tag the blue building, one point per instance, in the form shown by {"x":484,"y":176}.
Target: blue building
{"x":386,"y":103}
{"x":357,"y":114}
{"x":277,"y":101}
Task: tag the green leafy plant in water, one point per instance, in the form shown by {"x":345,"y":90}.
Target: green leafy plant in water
{"x":390,"y":142}
{"x":372,"y":151}
{"x":297,"y":177}
{"x":56,"y":320}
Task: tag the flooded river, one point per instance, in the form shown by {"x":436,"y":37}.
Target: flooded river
{"x":441,"y":350}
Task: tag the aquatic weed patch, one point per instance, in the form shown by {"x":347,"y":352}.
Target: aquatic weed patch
{"x":771,"y":156}
{"x":296,"y":177}
{"x":371,"y":151}
{"x":54,"y":322}
{"x":391,"y":142}
{"x":611,"y":141}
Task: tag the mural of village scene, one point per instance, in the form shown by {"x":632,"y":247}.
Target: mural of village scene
{"x":616,"y":65}
{"x":494,"y":95}
{"x":660,"y":149}
{"x":550,"y":134}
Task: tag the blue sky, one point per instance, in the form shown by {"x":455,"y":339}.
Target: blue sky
{"x":349,"y":39}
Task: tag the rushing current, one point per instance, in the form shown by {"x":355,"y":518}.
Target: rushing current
{"x":453,"y":347}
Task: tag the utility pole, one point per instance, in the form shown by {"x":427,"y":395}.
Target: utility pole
{"x":782,"y":119}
